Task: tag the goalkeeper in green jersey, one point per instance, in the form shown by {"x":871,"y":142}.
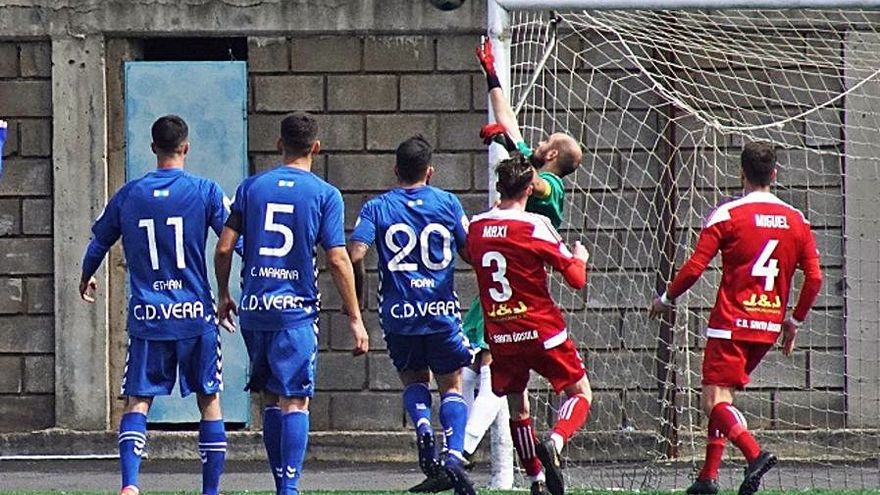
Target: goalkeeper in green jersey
{"x":555,"y":157}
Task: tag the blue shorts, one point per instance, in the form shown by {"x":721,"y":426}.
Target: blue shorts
{"x":283,"y":362}
{"x":151,"y":366}
{"x":442,"y":353}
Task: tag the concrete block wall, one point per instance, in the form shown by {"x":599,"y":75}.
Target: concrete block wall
{"x":370,"y":92}
{"x":27,"y":369}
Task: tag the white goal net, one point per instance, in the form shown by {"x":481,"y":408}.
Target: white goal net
{"x":662,"y":101}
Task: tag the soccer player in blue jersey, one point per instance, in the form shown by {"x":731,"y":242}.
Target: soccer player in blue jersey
{"x":417,"y":229}
{"x":163,"y":219}
{"x":284,"y":214}
{"x":3,"y":129}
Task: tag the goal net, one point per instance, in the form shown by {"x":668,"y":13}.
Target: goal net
{"x":661,"y":102}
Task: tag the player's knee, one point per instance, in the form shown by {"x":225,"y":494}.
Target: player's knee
{"x":209,"y":406}
{"x":138,"y":404}
{"x":293,"y":404}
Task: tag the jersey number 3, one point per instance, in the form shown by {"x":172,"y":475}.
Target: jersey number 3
{"x":766,"y":266}
{"x":498,"y":276}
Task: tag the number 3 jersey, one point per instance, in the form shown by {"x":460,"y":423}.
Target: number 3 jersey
{"x":283,"y":215}
{"x":508,"y":250}
{"x":417,"y":232}
{"x":762,"y":240}
{"x":163,"y":219}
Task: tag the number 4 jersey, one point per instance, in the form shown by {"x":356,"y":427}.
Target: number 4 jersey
{"x":163,"y":219}
{"x":417,"y":232}
{"x":283,"y":215}
{"x":762,"y":240}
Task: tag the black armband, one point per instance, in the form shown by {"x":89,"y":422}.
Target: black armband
{"x":234,"y":221}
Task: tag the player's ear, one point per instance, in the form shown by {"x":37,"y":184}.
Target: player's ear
{"x":279,"y":145}
{"x":551,"y":154}
{"x":316,"y":148}
{"x":773,"y":175}
{"x":429,"y":173}
{"x":153,"y":147}
{"x":184,"y":148}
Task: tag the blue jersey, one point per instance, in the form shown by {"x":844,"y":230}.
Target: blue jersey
{"x":418,"y":231}
{"x":284,"y":214}
{"x":163,"y":219}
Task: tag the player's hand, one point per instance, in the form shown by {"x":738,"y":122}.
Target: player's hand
{"x":361,"y":338}
{"x":484,"y":55}
{"x":580,"y":252}
{"x":496,"y":133}
{"x":225,"y":309}
{"x":658,"y":309}
{"x":789,"y":332}
{"x":87,"y":287}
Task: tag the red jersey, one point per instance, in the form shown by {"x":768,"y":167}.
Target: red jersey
{"x":508,"y":250}
{"x":762,"y":240}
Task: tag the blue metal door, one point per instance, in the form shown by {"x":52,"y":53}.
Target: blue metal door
{"x":212,"y":98}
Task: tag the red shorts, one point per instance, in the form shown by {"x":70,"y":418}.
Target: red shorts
{"x":728,"y":363}
{"x":561,"y":366}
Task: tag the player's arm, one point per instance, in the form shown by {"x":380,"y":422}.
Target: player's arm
{"x":106,"y":231}
{"x":357,"y":251}
{"x":343,"y":276}
{"x":572,"y":264}
{"x":706,"y":249}
{"x":460,"y":231}
{"x":331,"y":235}
{"x":809,"y":263}
{"x":220,"y":210}
{"x":229,"y":238}
{"x":506,"y":128}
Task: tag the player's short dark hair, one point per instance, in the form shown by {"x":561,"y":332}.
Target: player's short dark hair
{"x":299,"y":131}
{"x":759,"y":162}
{"x":413,"y":159}
{"x":514,"y":176}
{"x":169,"y":133}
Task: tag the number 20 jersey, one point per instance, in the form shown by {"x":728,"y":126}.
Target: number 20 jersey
{"x":163,"y":219}
{"x":762,"y":241}
{"x":417,"y":232}
{"x":285,"y":213}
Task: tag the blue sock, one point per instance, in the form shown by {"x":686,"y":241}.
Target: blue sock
{"x":294,"y":439}
{"x":2,"y":141}
{"x":212,"y":451}
{"x":272,"y":441}
{"x":417,"y":402}
{"x":132,"y":440}
{"x":453,"y":417}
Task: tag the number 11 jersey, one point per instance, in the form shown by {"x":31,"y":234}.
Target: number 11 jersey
{"x":417,"y":232}
{"x":283,"y":215}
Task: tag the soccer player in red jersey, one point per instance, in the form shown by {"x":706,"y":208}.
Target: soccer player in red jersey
{"x":509,"y":248}
{"x":762,"y":240}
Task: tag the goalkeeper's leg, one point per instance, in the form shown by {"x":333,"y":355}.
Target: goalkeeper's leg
{"x":501,"y":451}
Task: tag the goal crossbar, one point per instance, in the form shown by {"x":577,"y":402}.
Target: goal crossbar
{"x":683,"y":4}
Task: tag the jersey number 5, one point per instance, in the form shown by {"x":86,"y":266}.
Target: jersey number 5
{"x":272,"y":226}
{"x":498,"y":276}
{"x":396,"y":264}
{"x":177,"y":224}
{"x":766,"y":266}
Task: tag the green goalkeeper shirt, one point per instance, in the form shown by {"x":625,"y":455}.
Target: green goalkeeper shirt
{"x":551,"y":206}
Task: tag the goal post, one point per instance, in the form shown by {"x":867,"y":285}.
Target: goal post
{"x":661,"y":95}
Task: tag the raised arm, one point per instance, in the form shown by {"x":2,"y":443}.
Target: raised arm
{"x":501,"y":108}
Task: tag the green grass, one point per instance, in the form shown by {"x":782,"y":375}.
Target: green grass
{"x":484,"y":492}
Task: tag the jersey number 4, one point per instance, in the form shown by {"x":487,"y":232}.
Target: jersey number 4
{"x":396,"y":263}
{"x":766,"y":266}
{"x":177,"y":224}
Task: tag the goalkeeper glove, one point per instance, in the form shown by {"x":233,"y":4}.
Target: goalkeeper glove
{"x":487,"y":61}
{"x":496,"y":133}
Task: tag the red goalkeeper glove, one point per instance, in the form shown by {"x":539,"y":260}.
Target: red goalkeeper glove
{"x":496,"y":133}
{"x":487,"y":61}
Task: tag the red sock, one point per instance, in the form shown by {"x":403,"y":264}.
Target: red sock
{"x":572,"y":415}
{"x":732,"y":424}
{"x":524,"y":441}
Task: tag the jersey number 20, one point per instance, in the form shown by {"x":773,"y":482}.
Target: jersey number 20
{"x":396,"y":263}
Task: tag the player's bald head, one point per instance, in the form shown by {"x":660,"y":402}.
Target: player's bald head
{"x":560,"y":149}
